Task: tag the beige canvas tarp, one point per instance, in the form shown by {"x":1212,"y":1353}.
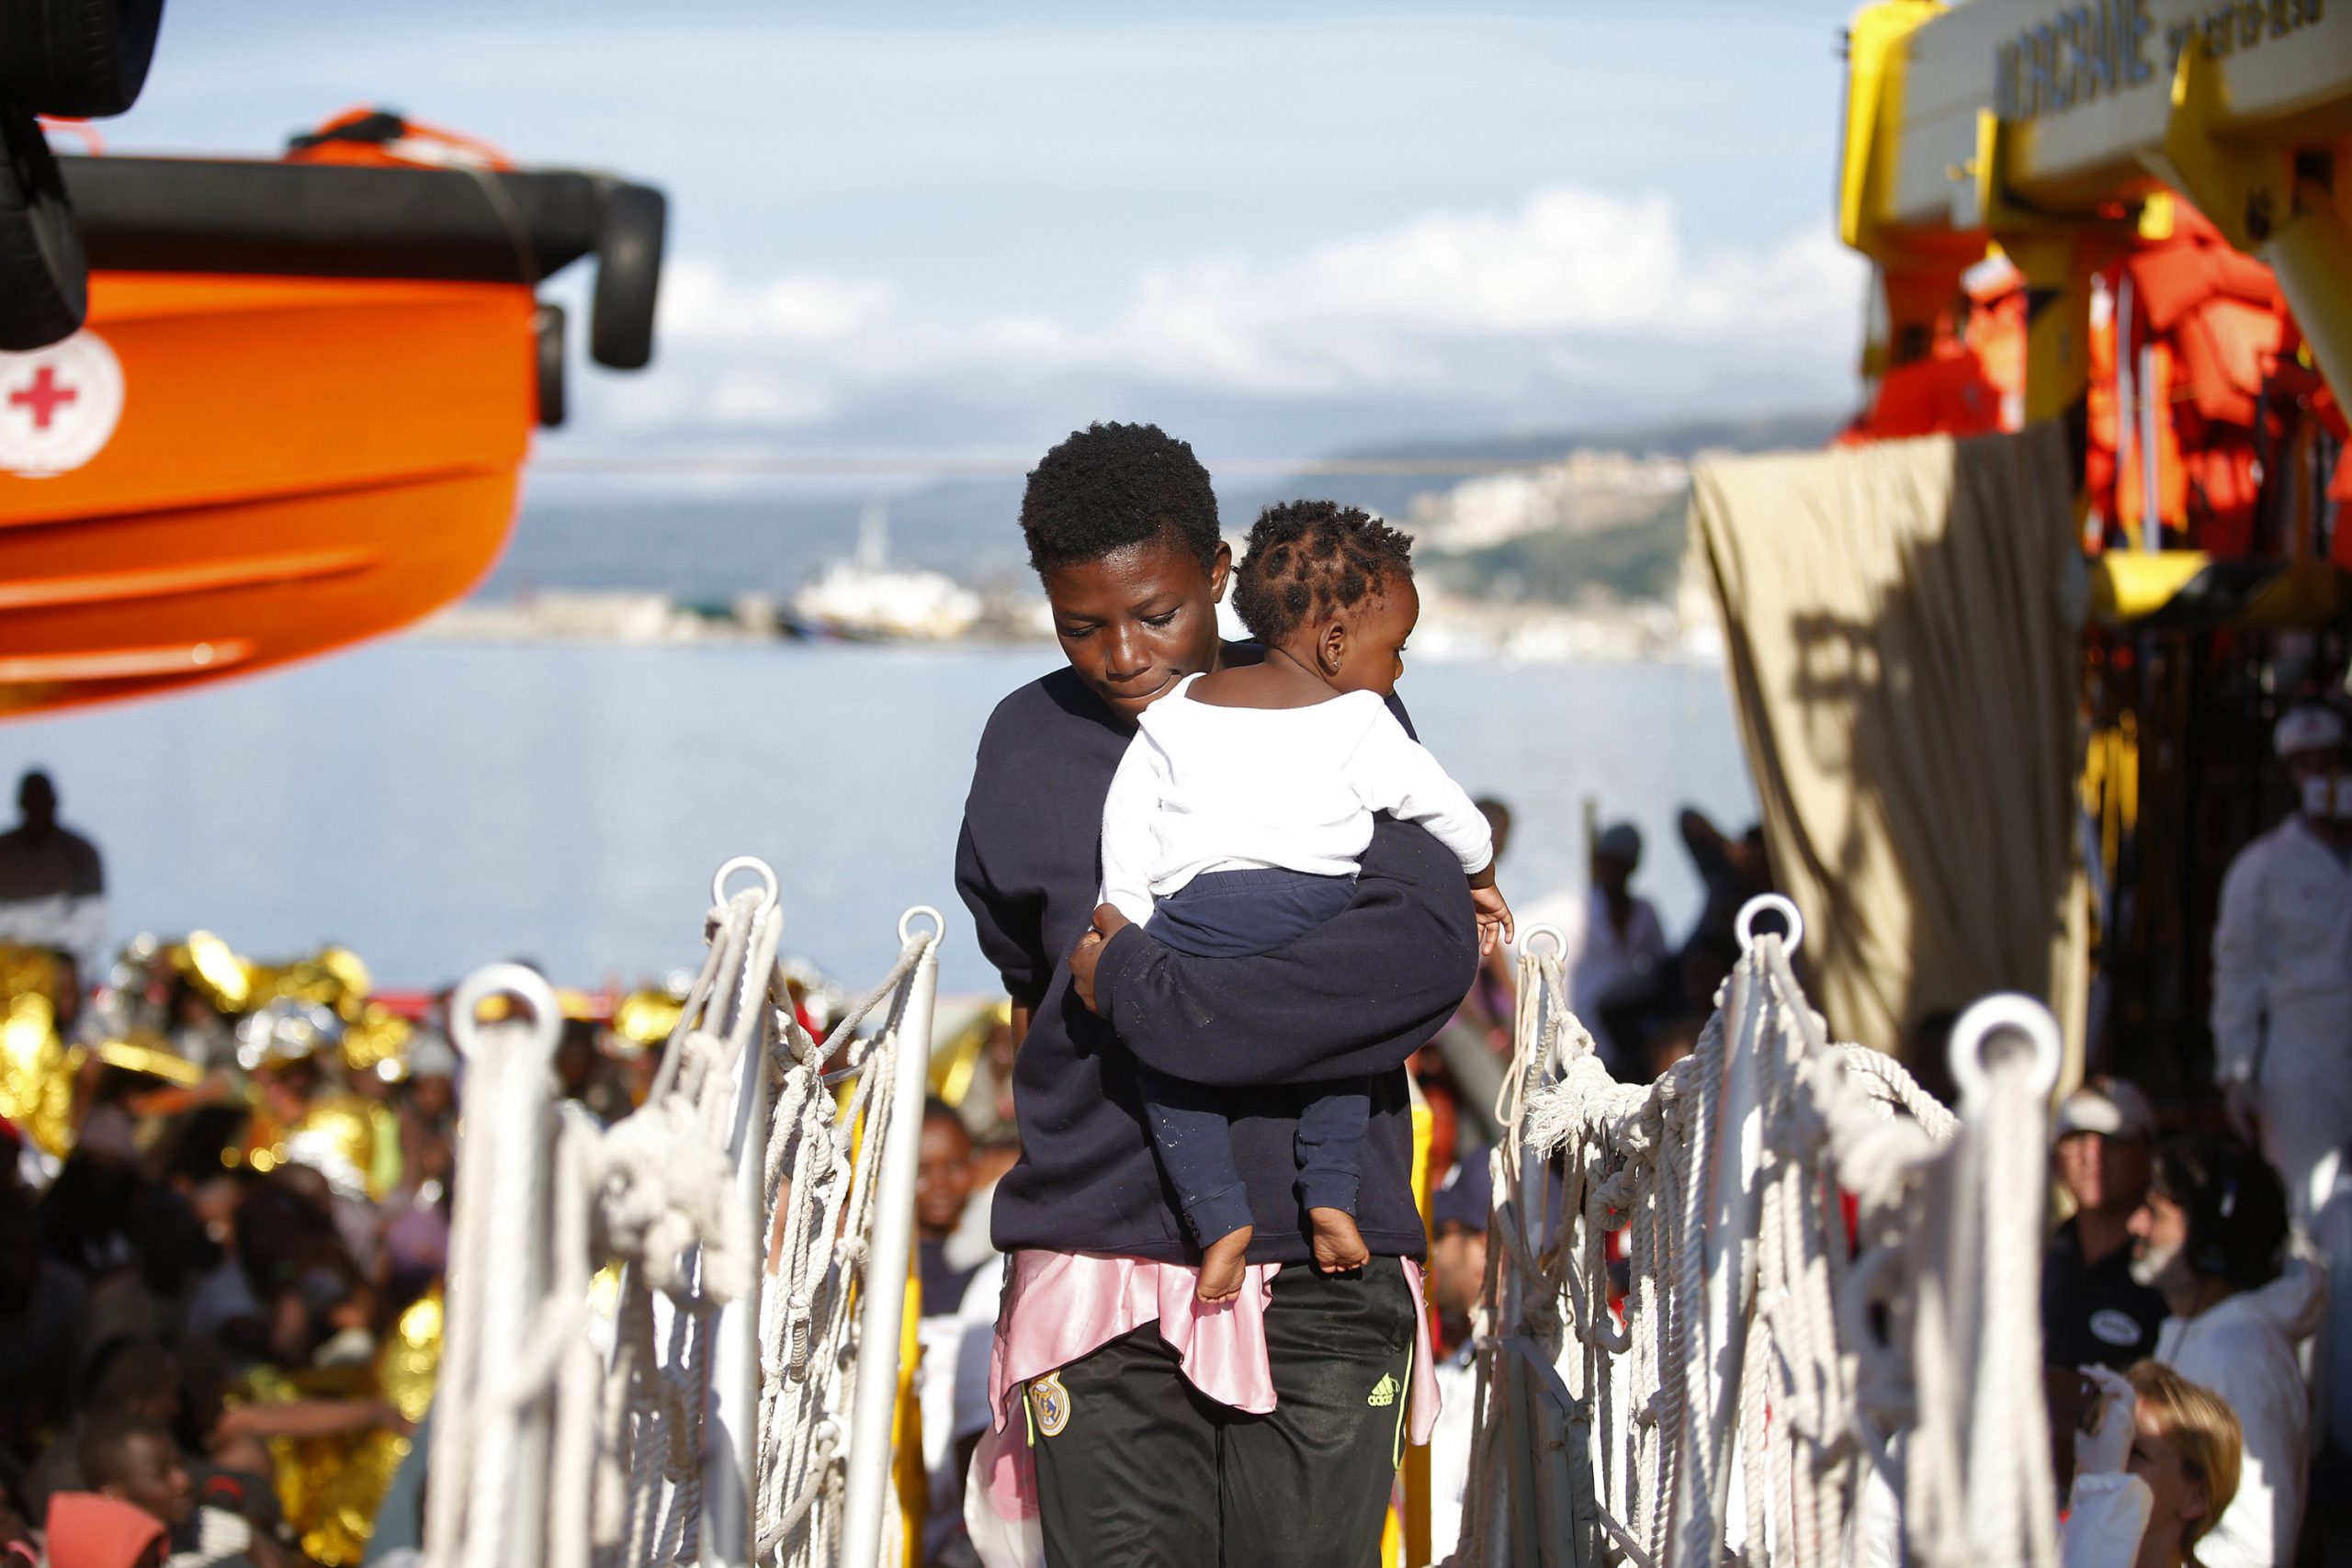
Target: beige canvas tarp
{"x":1902,"y":624}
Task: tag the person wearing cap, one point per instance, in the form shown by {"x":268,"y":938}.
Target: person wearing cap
{"x":2211,"y":1238}
{"x":1458,"y":1214}
{"x":2093,"y":1312}
{"x":1621,"y":942}
{"x":2282,"y":969}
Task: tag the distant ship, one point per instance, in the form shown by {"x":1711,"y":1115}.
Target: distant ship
{"x":867,"y":600}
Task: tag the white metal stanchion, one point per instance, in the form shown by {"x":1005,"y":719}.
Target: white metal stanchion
{"x":875,"y":1401}
{"x":501,"y":1469}
{"x":1733,"y":1196}
{"x":731,"y":1438}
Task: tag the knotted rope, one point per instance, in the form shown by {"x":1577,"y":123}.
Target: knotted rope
{"x":588,"y":1439}
{"x":1761,"y":1362}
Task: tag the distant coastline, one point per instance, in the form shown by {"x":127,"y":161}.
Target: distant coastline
{"x":1576,"y":549}
{"x":1454,"y":628}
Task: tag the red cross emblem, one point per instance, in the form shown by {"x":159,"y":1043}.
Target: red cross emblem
{"x":59,"y":405}
{"x":44,"y":397}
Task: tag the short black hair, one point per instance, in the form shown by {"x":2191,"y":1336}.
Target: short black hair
{"x":2234,"y":1204}
{"x":1310,"y":557}
{"x":127,"y":1369}
{"x":103,"y":1451}
{"x":1110,"y":486}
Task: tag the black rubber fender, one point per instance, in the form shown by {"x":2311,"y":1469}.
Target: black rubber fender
{"x":629,"y":276}
{"x":44,"y":281}
{"x":546,"y":325}
{"x":83,"y":58}
{"x":331,"y":220}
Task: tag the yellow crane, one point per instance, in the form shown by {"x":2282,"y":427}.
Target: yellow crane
{"x":2045,"y":129}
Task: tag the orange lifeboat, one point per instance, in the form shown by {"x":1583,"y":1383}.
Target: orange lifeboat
{"x":297,"y":414}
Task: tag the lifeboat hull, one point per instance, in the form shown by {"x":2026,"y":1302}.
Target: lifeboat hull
{"x":274,"y":467}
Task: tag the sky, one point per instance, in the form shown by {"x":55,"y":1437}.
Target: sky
{"x":956,"y":229}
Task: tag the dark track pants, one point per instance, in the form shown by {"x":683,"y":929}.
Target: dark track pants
{"x":1136,"y":1469}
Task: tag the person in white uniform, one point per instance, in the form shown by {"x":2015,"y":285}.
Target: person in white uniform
{"x":2212,"y":1240}
{"x":2283,"y":1013}
{"x":2282,"y":969}
{"x":2154,"y":1468}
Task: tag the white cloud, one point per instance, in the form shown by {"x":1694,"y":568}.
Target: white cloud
{"x":748,"y":395}
{"x":1571,"y":298}
{"x":700,"y":303}
{"x":1452,"y":301}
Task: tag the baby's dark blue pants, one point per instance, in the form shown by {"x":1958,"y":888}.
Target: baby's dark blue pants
{"x":1233,"y":914}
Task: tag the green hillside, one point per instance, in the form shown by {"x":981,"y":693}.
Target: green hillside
{"x":1630,"y":561}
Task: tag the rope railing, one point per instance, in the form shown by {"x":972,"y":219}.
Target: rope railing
{"x":732,"y":1403}
{"x":1826,"y":1347}
{"x":1770,"y":1386}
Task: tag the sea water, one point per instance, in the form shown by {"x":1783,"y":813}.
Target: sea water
{"x":435,"y":805}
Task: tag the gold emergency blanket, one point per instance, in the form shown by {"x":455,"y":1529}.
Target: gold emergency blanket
{"x":332,"y":1487}
{"x":1902,"y":627}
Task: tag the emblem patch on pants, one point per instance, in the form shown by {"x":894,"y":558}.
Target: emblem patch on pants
{"x":1383,"y":1393}
{"x":1051,"y":1402}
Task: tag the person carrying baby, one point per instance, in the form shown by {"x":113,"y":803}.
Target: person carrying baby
{"x":1236,"y":821}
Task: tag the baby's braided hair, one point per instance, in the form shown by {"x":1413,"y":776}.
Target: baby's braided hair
{"x":1308,"y":558}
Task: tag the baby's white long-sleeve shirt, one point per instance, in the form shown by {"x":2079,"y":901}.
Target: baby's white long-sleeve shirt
{"x":1207,"y":788}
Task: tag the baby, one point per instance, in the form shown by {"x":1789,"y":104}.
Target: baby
{"x":1237,"y":817}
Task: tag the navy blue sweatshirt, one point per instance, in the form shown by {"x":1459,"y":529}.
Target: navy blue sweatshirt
{"x":1352,"y":998}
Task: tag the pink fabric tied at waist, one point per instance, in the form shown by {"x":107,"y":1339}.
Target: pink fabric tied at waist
{"x":1060,"y":1306}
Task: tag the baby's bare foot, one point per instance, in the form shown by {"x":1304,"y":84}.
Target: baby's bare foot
{"x":1222,"y":1267}
{"x":1338,"y":1246}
